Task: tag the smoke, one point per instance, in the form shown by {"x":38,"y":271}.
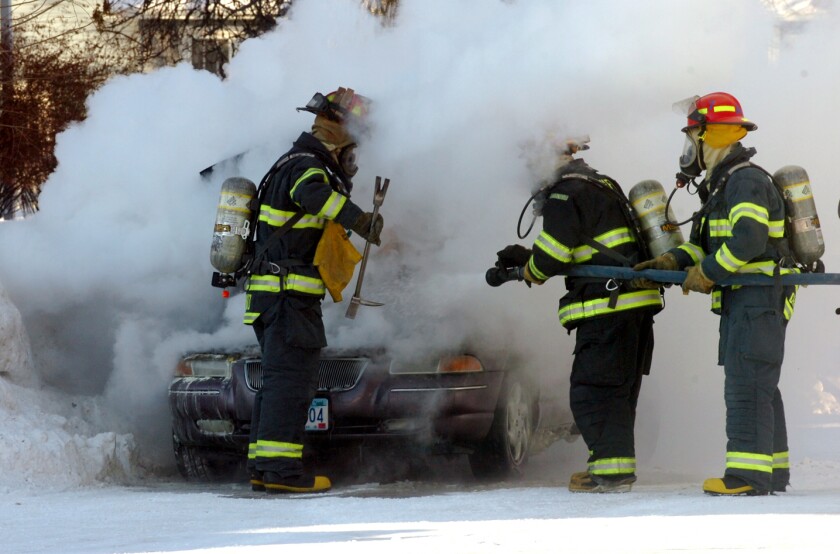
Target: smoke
{"x":112,"y":275}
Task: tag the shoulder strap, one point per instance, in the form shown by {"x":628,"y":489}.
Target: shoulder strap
{"x":283,"y":229}
{"x":611,"y":187}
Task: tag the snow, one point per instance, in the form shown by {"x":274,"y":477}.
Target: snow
{"x":104,"y":288}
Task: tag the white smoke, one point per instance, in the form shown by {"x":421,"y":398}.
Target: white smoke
{"x":112,"y":275}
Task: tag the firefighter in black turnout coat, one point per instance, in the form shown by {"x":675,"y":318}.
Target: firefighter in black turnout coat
{"x":311,"y":182}
{"x":586,"y":220}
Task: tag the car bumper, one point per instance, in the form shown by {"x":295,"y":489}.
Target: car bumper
{"x":433,"y":409}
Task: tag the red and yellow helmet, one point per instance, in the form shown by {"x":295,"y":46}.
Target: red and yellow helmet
{"x":717,"y":108}
{"x":343,"y":106}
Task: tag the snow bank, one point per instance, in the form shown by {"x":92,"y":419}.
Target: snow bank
{"x":47,"y":440}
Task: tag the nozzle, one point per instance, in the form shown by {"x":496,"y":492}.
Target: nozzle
{"x":497,"y":276}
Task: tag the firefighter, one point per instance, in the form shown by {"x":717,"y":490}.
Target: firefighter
{"x":586,"y":220}
{"x":739,"y":229}
{"x":285,"y":290}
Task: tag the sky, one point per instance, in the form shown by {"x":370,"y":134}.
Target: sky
{"x":108,"y":284}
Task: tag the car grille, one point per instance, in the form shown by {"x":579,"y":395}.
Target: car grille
{"x":334,"y":374}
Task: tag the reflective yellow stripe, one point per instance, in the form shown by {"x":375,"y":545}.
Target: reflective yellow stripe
{"x":306,"y":175}
{"x":610,"y":239}
{"x":721,"y":108}
{"x":613,"y":466}
{"x":776,"y":228}
{"x":553,"y":248}
{"x":694,"y":251}
{"x":252,"y":450}
{"x":292,"y":281}
{"x":749,"y":460}
{"x":332,"y":206}
{"x":781,"y":460}
{"x":301,"y":283}
{"x":727,"y":260}
{"x":717,"y":300}
{"x":277,"y":218}
{"x":536,"y":272}
{"x":272,"y":449}
{"x":790,"y":302}
{"x":748,"y":209}
{"x":250,"y":318}
{"x":720,"y":228}
{"x":767,"y":267}
{"x":599,"y":306}
{"x":263,"y":283}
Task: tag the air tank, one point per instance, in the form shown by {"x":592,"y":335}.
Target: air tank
{"x":803,"y":223}
{"x":230,"y":234}
{"x":648,"y":200}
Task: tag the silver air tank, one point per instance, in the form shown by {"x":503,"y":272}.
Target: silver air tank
{"x":803,"y":223}
{"x":648,"y":200}
{"x":232,"y":228}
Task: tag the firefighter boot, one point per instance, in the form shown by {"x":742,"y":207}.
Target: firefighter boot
{"x":730,"y":486}
{"x":274,"y":483}
{"x":578,"y":477}
{"x":256,"y":479}
{"x":584,"y":482}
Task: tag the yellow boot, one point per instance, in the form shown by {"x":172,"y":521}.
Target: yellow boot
{"x":730,"y":486}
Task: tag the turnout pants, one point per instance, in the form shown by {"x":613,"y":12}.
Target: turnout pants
{"x":752,"y":347}
{"x":291,"y":335}
{"x":611,"y":355}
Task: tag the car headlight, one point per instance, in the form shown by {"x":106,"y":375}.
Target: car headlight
{"x":461,"y":363}
{"x":205,"y":366}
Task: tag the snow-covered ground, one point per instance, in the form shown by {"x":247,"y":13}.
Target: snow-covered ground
{"x":663,"y":513}
{"x":105,"y":287}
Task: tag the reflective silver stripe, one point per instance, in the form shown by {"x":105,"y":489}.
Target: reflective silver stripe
{"x":306,"y":175}
{"x":278,"y":218}
{"x":776,"y":229}
{"x":694,"y":251}
{"x":600,"y":306}
{"x":750,"y":461}
{"x":612,"y":466}
{"x":748,"y":209}
{"x":332,"y":206}
{"x":610,"y":239}
{"x":726,"y":260}
{"x":720,"y":228}
{"x":553,"y":248}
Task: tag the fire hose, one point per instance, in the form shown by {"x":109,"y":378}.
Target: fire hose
{"x":497,"y":276}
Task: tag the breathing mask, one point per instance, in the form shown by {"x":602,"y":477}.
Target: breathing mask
{"x":347,"y":160}
{"x":691,"y":159}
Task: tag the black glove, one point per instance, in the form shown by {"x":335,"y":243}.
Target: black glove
{"x":514,"y":255}
{"x":367,"y":230}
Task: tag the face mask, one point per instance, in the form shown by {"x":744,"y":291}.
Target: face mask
{"x":347,"y":160}
{"x":691,"y":160}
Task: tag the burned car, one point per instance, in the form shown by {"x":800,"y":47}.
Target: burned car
{"x":452,"y":404}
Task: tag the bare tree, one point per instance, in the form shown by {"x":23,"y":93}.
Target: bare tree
{"x":45,"y":93}
{"x":163,"y":32}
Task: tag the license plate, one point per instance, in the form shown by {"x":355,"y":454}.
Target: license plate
{"x":319,"y":415}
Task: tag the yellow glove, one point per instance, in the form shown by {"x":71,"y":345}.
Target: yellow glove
{"x":697,"y":281}
{"x":666,"y":262}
